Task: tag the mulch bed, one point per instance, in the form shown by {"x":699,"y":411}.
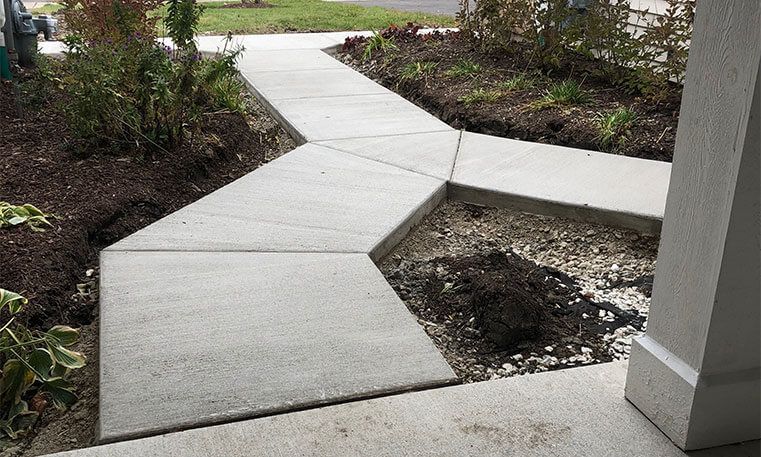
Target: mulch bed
{"x":100,"y":198}
{"x":247,"y":4}
{"x":514,"y":114}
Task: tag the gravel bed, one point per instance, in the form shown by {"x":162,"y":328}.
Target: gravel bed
{"x":609,"y":266}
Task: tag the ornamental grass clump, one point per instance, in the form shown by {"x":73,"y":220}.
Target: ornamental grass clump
{"x":417,"y":70}
{"x":464,"y":67}
{"x":614,"y":127}
{"x":127,"y":89}
{"x":480,"y":95}
{"x":568,"y":93}
{"x":377,"y":43}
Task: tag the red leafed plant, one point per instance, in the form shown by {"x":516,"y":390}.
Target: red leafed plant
{"x":115,"y":20}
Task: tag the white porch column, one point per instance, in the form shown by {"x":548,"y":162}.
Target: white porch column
{"x":696,"y":372}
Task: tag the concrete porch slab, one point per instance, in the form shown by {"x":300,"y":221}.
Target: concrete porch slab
{"x":331,"y":118}
{"x":575,"y":412}
{"x":194,"y":338}
{"x":298,"y":84}
{"x":561,"y":181}
{"x":313,"y":199}
{"x":431,"y":154}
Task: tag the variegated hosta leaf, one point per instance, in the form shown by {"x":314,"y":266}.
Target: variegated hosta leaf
{"x":60,"y":392}
{"x":66,"y":357}
{"x":63,"y":335}
{"x":11,"y":215}
{"x":16,"y":379}
{"x":19,"y":420}
{"x":13,"y":300}
{"x":42,"y":362}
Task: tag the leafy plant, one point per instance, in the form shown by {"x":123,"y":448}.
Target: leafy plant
{"x":417,"y":70}
{"x":111,"y":21}
{"x":464,"y":67}
{"x":641,"y":57}
{"x":614,"y":127}
{"x":377,"y":43}
{"x":220,"y":86}
{"x":568,"y":92}
{"x":35,"y":366}
{"x":518,"y":82}
{"x":181,"y":22}
{"x":480,"y":95}
{"x":136,"y":91}
{"x":12,"y":215}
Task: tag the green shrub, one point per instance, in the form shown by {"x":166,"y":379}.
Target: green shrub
{"x":464,"y":67}
{"x":569,"y":92}
{"x":548,"y":31}
{"x":614,"y":127}
{"x":417,"y":70}
{"x":480,"y":95}
{"x":132,"y":90}
{"x":35,"y":366}
{"x":12,"y":215}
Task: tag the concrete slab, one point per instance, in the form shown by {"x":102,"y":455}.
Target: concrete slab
{"x":311,"y":83}
{"x":214,"y":43}
{"x":575,"y":412}
{"x":556,"y":180}
{"x":330,"y":118}
{"x":287,"y":60}
{"x":51,"y":48}
{"x":194,"y":338}
{"x":313,"y":199}
{"x":431,"y":154}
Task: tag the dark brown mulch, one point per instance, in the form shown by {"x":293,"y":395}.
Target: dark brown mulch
{"x":489,"y":306}
{"x":514,"y":115}
{"x":247,"y":4}
{"x":101,"y":198}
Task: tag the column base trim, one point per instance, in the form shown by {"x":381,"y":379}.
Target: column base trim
{"x":695,"y":411}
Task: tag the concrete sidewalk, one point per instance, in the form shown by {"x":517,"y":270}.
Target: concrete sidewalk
{"x":262,"y":298}
{"x":575,"y":412}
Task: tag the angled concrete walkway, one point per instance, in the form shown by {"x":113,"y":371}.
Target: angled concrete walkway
{"x":575,"y":412}
{"x":313,"y":199}
{"x":569,"y":182}
{"x":195,"y":338}
{"x":431,"y":153}
{"x":262,"y":298}
{"x":354,"y":114}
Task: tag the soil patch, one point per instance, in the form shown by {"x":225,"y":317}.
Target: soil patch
{"x":248,"y":4}
{"x":97,"y":199}
{"x":503,"y":293}
{"x":514,"y":113}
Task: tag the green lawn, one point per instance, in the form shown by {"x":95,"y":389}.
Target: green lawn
{"x":303,"y":16}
